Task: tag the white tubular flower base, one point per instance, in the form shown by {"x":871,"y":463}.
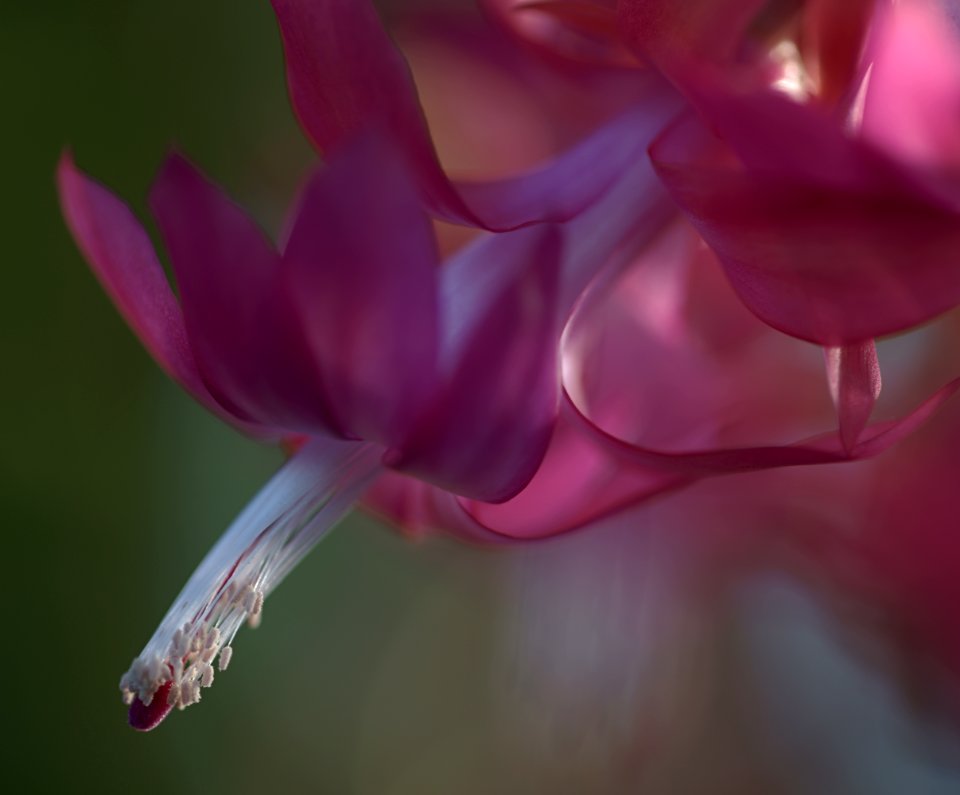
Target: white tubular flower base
{"x":295,"y":510}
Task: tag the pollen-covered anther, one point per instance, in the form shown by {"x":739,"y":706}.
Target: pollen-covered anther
{"x":206,"y":677}
{"x":228,"y":588}
{"x":189,"y":694}
{"x":252,"y":600}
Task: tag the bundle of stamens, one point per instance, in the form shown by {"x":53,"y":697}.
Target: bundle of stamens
{"x":291,"y":514}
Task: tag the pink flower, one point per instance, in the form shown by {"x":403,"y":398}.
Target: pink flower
{"x":351,"y":337}
{"x":669,"y":380}
{"x":577,"y":358}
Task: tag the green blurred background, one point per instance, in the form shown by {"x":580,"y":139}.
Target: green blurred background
{"x":381,"y":666}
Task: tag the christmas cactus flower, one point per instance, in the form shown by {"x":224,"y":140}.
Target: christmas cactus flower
{"x":583,"y":352}
{"x":352,"y":338}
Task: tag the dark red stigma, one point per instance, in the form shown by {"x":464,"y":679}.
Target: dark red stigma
{"x":144,"y":718}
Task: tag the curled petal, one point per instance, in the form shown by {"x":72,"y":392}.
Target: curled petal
{"x":835,"y":246}
{"x":241,"y":331}
{"x":824,"y":449}
{"x":123,"y":258}
{"x":579,"y":482}
{"x":361,"y":268}
{"x":346,"y":76}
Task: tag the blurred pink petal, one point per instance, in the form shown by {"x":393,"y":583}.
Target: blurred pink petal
{"x":361,"y":266}
{"x":240,"y":326}
{"x":670,"y":33}
{"x":345,"y":76}
{"x":912,"y":105}
{"x":582,"y":32}
{"x":493,"y":416}
{"x":121,"y":255}
{"x":831,"y":41}
{"x":821,"y":236}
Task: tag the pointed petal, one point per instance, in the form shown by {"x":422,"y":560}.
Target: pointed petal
{"x":492,"y":421}
{"x":345,"y":75}
{"x":853,"y":375}
{"x":123,"y":259}
{"x":361,"y":268}
{"x":241,"y":332}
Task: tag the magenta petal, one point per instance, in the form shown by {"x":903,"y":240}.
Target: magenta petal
{"x":346,"y":76}
{"x":493,"y":418}
{"x":579,"y":482}
{"x":575,"y":180}
{"x":912,"y":107}
{"x":823,"y":449}
{"x":362,"y":269}
{"x":123,"y":258}
{"x":853,"y":374}
{"x":836,"y":251}
{"x":584,"y":32}
{"x":241,"y":332}
{"x":671,"y":33}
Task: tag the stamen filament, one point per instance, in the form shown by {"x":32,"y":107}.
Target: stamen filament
{"x":295,"y":510}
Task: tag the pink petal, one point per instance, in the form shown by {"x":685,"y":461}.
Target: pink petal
{"x":493,"y":418}
{"x":912,"y":105}
{"x":670,"y":33}
{"x":584,"y":32}
{"x":831,"y":42}
{"x":579,"y":483}
{"x":123,"y":258}
{"x":241,"y":330}
{"x":824,"y":449}
{"x":613,"y":231}
{"x":853,"y":375}
{"x":821,"y":237}
{"x":346,"y":76}
{"x":361,"y":269}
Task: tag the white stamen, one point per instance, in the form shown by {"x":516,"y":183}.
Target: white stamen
{"x":206,"y":678}
{"x":296,"y":509}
